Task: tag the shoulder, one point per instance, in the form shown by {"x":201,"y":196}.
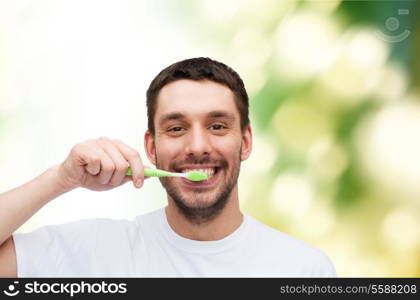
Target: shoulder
{"x":98,"y":226}
{"x":282,"y":247}
{"x":87,"y":226}
{"x":149,"y":219}
{"x":277,"y":239}
{"x":75,"y":232}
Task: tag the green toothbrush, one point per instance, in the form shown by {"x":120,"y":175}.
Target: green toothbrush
{"x":190,"y":175}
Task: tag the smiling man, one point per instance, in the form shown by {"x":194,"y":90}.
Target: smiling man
{"x":198,"y":126}
{"x":197,"y":120}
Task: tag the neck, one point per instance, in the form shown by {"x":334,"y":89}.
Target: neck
{"x":228,"y":220}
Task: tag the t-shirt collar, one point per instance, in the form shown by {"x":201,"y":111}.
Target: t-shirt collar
{"x":203,"y":247}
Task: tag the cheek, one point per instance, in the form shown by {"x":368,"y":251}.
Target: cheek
{"x":166,"y":149}
{"x":228,"y":148}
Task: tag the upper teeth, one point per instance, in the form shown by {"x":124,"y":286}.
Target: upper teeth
{"x":208,"y":171}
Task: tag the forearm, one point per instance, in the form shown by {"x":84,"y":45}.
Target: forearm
{"x":21,"y":203}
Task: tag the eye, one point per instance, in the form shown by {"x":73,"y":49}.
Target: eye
{"x":175,"y":129}
{"x":218,"y":126}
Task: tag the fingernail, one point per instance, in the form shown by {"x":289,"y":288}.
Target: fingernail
{"x":139,"y":183}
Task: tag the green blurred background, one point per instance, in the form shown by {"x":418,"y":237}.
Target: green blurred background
{"x":334,"y":104}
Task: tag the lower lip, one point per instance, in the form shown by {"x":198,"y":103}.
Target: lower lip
{"x":202,"y":183}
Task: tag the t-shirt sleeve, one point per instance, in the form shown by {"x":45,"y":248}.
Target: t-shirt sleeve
{"x":324,"y":266}
{"x":57,"y":250}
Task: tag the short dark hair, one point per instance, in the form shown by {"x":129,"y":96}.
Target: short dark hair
{"x":200,"y":68}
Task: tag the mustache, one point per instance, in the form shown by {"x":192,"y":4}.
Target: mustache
{"x":198,"y":161}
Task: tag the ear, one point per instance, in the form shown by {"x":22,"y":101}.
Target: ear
{"x":246,"y":143}
{"x":149,"y":146}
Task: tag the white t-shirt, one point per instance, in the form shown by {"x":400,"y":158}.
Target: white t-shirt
{"x":148,"y":247}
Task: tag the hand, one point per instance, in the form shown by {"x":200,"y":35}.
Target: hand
{"x":100,"y":165}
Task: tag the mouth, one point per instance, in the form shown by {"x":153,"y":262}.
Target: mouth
{"x":213,"y":173}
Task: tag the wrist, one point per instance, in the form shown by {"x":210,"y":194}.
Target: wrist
{"x":61,"y":186}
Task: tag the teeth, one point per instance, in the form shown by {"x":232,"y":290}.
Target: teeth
{"x":208,"y":171}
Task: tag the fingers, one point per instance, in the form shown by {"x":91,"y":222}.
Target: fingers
{"x":120,"y":165}
{"x":106,"y":161}
{"x":134,"y":159}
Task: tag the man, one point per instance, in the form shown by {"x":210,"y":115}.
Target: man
{"x":197,"y":119}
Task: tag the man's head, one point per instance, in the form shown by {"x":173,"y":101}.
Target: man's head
{"x":198,"y":119}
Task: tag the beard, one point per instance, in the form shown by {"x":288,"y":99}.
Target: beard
{"x":202,"y":205}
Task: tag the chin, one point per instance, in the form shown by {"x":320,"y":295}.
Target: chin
{"x":198,"y":203}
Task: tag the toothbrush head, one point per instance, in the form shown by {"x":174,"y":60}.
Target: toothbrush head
{"x":196,"y":175}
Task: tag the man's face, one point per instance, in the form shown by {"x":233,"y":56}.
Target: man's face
{"x":198,"y":127}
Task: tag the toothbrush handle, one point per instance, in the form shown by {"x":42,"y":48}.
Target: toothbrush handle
{"x":150,"y":172}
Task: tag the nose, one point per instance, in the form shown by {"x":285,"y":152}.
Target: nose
{"x":198,"y":142}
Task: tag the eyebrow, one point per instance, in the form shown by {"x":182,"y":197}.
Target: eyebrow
{"x":215,"y":114}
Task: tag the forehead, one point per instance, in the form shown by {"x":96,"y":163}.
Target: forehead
{"x":195,"y":98}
